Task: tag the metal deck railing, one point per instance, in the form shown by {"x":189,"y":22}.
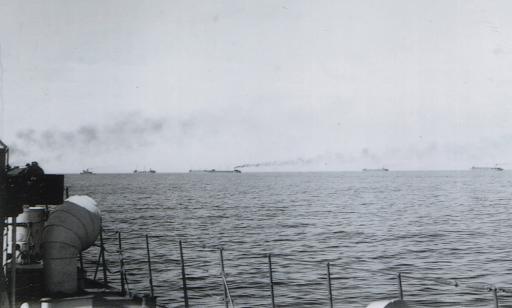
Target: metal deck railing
{"x":495,"y":292}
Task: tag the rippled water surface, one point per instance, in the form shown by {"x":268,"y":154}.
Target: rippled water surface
{"x":369,"y":225}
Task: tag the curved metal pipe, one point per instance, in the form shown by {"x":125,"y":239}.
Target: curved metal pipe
{"x":71,"y":228}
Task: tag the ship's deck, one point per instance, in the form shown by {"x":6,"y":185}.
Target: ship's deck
{"x":30,"y":289}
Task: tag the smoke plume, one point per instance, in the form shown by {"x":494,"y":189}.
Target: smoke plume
{"x":124,"y":133}
{"x":324,"y":158}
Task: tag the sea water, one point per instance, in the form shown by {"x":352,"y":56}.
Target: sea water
{"x":439,"y":227}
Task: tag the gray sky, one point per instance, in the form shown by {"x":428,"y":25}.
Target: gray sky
{"x":297,"y":85}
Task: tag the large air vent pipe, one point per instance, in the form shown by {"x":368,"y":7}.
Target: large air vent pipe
{"x":71,"y":228}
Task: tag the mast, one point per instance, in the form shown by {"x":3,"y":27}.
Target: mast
{"x":4,"y":157}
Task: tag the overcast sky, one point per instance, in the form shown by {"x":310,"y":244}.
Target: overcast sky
{"x":295,"y":85}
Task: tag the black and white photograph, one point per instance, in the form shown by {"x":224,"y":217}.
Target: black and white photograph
{"x":255,"y":153}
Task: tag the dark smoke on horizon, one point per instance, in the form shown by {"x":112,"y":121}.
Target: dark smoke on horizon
{"x":277,"y":163}
{"x":325,"y":159}
{"x":295,"y":162}
{"x":124,"y":133}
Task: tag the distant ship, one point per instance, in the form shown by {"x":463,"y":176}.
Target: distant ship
{"x":381,"y":169}
{"x":144,"y":171}
{"x":215,"y":171}
{"x":86,"y":171}
{"x":496,"y":168}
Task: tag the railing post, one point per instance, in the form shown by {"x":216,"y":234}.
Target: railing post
{"x":223,"y":276}
{"x":103,"y":263}
{"x":149,"y":267}
{"x":400,"y":290}
{"x":13,"y":262}
{"x":496,"y":302}
{"x":329,"y":284}
{"x":121,"y":261}
{"x":183,"y":276}
{"x":97,"y":266}
{"x":271,"y":280}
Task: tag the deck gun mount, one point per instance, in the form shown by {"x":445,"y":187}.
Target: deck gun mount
{"x":19,"y":187}
{"x":27,"y":185}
